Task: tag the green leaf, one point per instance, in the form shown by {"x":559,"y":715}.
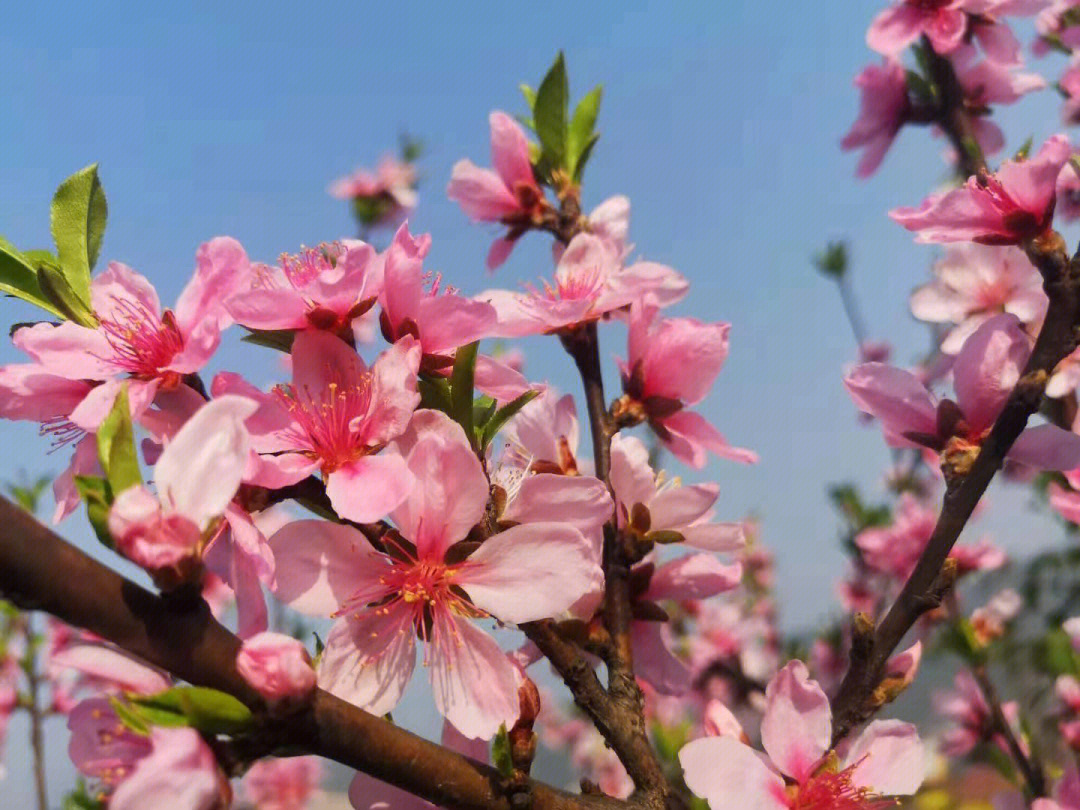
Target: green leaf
{"x":78,"y":219}
{"x":500,"y":752}
{"x":18,"y":277}
{"x":97,"y":496}
{"x":583,"y":158}
{"x":116,"y":446}
{"x":129,"y":717}
{"x":583,"y":123}
{"x":80,"y":799}
{"x":56,"y":289}
{"x":208,"y":710}
{"x":434,"y":393}
{"x":529,"y":94}
{"x":461,"y":386}
{"x":550,"y":112}
{"x":505,"y":414}
{"x":280,"y":339}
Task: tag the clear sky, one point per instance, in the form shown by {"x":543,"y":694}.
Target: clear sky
{"x":720,"y":121}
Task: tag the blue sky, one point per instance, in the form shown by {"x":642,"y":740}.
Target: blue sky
{"x":720,"y":121}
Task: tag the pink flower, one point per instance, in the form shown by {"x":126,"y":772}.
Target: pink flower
{"x":672,"y":363}
{"x":276,"y":666}
{"x":1066,"y":794}
{"x":136,"y":341}
{"x":972,"y":284}
{"x":325,"y":287}
{"x":666,"y":505}
{"x":391,"y":187}
{"x":590,"y":283}
{"x":9,"y":699}
{"x":105,"y":668}
{"x":1007,"y":208}
{"x":283,"y":784}
{"x":883,"y":108}
{"x":942,"y":21}
{"x":1066,"y":501}
{"x":508,"y":194}
{"x":161,"y":531}
{"x":970,"y":714}
{"x":886,"y":759}
{"x":986,"y":369}
{"x":424,"y":587}
{"x":334,"y":418}
{"x":179,"y":771}
{"x":1069,"y":84}
{"x":1052,"y":23}
{"x":544,"y":436}
{"x":1068,"y":193}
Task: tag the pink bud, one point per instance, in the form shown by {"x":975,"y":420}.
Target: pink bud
{"x":276,"y":665}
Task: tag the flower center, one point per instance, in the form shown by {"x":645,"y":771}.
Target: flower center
{"x":834,"y":790}
{"x":330,"y":423}
{"x":304,"y":267}
{"x":142,"y":342}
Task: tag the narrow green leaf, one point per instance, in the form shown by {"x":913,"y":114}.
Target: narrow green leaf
{"x":18,"y":277}
{"x":500,"y":752}
{"x":505,"y":414}
{"x":529,"y":94}
{"x":208,"y":710}
{"x":280,"y":339}
{"x":583,"y":158}
{"x":129,"y":718}
{"x":116,"y":446}
{"x":97,"y":496}
{"x":550,"y":111}
{"x":461,"y":386}
{"x":56,"y":289}
{"x":581,"y":127}
{"x":435,"y":394}
{"x":78,"y":219}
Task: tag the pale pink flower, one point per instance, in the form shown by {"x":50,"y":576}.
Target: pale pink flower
{"x":508,"y":193}
{"x":971,"y":717}
{"x":1069,"y":84}
{"x":105,"y":668}
{"x":384,"y":601}
{"x":160,"y":531}
{"x":1068,"y":193}
{"x":1008,"y":207}
{"x":990,"y":621}
{"x":670,"y":506}
{"x":544,"y":436}
{"x":883,"y":109}
{"x":334,"y":419}
{"x":1066,"y":501}
{"x":1052,"y":22}
{"x":179,"y":771}
{"x":1072,"y":630}
{"x":289,"y":783}
{"x":325,"y":287}
{"x":972,"y":283}
{"x":942,"y":21}
{"x":985,"y":371}
{"x":276,"y":666}
{"x":9,"y":699}
{"x":392,"y":185}
{"x":136,"y":342}
{"x":885,"y":760}
{"x":671,"y":364}
{"x":590,"y":283}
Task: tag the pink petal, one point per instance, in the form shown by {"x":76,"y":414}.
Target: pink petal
{"x":691,"y":436}
{"x":894,"y":29}
{"x":269,"y":308}
{"x":180,"y":772}
{"x":321,"y":359}
{"x":499,"y":381}
{"x":797,"y":725}
{"x":654,"y":662}
{"x":449,"y":321}
{"x":680,"y":506}
{"x":1046,"y":447}
{"x":529,"y":572}
{"x":580,"y":501}
{"x":731,"y":775}
{"x":475,"y":686}
{"x":889,"y":759}
{"x":451,"y":492}
{"x":369,"y":658}
{"x":695,"y":576}
{"x":715,"y":536}
{"x":481,"y":193}
{"x":67,"y":350}
{"x":368,"y":793}
{"x":894,"y":396}
{"x":111,"y":664}
{"x":499,"y":252}
{"x":221,"y":268}
{"x":320,"y":565}
{"x":369,"y":488}
{"x":988,"y":367}
{"x":632,"y":479}
{"x":29,"y":392}
{"x":393,"y":392}
{"x":510,"y":150}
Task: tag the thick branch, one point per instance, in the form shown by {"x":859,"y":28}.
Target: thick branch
{"x":1057,"y":338}
{"x":40,"y":571}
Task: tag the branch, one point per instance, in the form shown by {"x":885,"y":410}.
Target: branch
{"x":40,"y":571}
{"x":1029,"y":767}
{"x":1057,"y":338}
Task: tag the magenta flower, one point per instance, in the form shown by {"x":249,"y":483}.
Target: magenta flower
{"x":973,"y":283}
{"x":423,"y":587}
{"x":334,"y":418}
{"x":942,"y":21}
{"x":325,"y":287}
{"x":799,"y":770}
{"x":159,"y":532}
{"x":508,"y":193}
{"x":288,"y":783}
{"x":276,"y":666}
{"x":985,"y":371}
{"x":590,"y":283}
{"x":883,"y":109}
{"x":1008,"y":207}
{"x":671,"y":364}
{"x":136,"y":341}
